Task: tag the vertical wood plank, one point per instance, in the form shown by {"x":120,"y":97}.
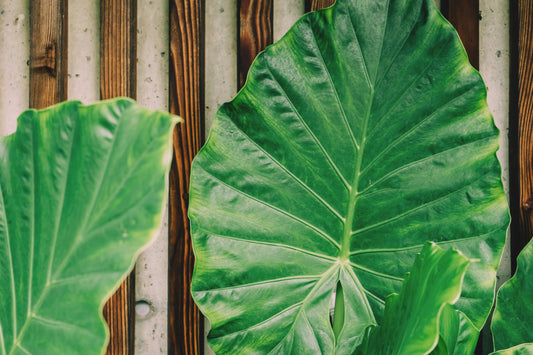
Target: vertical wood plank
{"x":313,"y":5}
{"x":48,"y":52}
{"x":118,"y":50}
{"x":118,"y":78}
{"x":186,"y":100}
{"x":524,"y":80}
{"x":255,"y":33}
{"x":464,"y":16}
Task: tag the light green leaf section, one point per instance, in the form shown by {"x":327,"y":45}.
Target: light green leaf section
{"x":411,"y":319}
{"x":81,"y":191}
{"x":522,"y":349}
{"x":512,"y":322}
{"x":361,"y":134}
{"x":457,"y":333}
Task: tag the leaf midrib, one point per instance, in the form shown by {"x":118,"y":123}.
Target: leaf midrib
{"x":344,"y":252}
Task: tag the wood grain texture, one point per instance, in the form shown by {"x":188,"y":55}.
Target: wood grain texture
{"x":118,"y":49}
{"x":525,"y":125}
{"x":464,"y":16}
{"x":186,"y":100}
{"x":48,"y":52}
{"x":313,"y":5}
{"x":118,"y":29}
{"x":119,"y":313}
{"x":255,"y":33}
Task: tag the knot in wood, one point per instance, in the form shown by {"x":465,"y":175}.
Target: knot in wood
{"x":47,"y":60}
{"x":528,"y":205}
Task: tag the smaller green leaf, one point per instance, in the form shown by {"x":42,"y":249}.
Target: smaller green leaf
{"x":82,"y":190}
{"x":457,"y":332}
{"x":513,"y":316}
{"x":411,"y":319}
{"x":522,"y":349}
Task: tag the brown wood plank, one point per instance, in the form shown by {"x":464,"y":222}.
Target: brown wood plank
{"x":313,"y":5}
{"x":186,"y":99}
{"x":464,"y":16}
{"x":255,"y":33}
{"x":118,"y":50}
{"x":118,"y":30}
{"x":48,"y":52}
{"x":522,"y":122}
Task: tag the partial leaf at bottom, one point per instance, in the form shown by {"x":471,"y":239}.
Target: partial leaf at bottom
{"x":411,"y":319}
{"x":512,"y":322}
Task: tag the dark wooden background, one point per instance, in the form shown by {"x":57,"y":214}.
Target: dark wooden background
{"x":48,"y":79}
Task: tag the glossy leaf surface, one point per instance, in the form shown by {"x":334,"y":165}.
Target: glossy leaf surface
{"x":411,"y":319}
{"x":361,"y":134}
{"x":512,"y":322}
{"x":522,"y":349}
{"x":457,"y":333}
{"x":81,"y":191}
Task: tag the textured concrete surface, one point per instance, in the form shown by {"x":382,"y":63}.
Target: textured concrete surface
{"x":14,"y":62}
{"x":220,"y":56}
{"x":84,"y":51}
{"x":286,"y":13}
{"x":494,"y":67}
{"x":151,"y":281}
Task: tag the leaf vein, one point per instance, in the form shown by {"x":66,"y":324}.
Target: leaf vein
{"x":417,"y":208}
{"x":419,"y":246}
{"x":276,"y":245}
{"x":259,"y":283}
{"x":377,"y":273}
{"x":290,"y":174}
{"x":404,"y":93}
{"x":422,"y":160}
{"x":61,"y":207}
{"x":408,"y":132}
{"x":310,"y":132}
{"x":336,"y":95}
{"x":92,"y":203}
{"x":277,"y":209}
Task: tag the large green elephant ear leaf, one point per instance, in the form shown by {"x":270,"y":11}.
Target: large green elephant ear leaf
{"x":361,"y":134}
{"x":82,"y":189}
{"x":512,"y":322}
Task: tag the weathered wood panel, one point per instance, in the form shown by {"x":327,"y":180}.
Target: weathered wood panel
{"x":313,"y":5}
{"x":255,"y":33}
{"x":522,"y":127}
{"x":118,"y":50}
{"x":48,"y":52}
{"x":186,"y":100}
{"x":464,"y":16}
{"x":118,"y":29}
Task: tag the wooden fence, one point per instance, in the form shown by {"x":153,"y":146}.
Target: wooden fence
{"x":179,"y":59}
